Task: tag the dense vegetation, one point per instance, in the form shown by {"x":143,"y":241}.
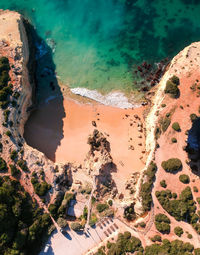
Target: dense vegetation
{"x":3,"y":165}
{"x":60,"y":207}
{"x":101,"y":207}
{"x":182,"y":208}
{"x":40,"y":188}
{"x":5,"y":89}
{"x":127,"y":244}
{"x":145,"y":190}
{"x":172,"y":87}
{"x":162,"y":223}
{"x":129,"y":212}
{"x":22,"y":223}
{"x":172,"y":165}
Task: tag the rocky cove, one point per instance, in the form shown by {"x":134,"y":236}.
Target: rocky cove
{"x":94,"y":160}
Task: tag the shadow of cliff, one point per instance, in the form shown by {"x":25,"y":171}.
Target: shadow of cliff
{"x":193,"y":147}
{"x":44,"y":128}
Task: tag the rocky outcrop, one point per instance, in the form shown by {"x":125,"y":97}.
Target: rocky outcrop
{"x":15,"y":44}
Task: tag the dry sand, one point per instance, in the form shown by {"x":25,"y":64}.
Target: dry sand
{"x":60,"y":129}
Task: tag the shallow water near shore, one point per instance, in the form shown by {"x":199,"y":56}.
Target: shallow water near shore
{"x":97,"y":44}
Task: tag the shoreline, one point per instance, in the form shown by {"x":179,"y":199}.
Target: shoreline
{"x":116,"y":99}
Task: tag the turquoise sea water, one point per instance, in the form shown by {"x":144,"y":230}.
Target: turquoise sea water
{"x":98,"y":43}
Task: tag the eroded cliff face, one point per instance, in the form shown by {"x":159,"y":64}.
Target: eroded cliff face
{"x":15,"y":45}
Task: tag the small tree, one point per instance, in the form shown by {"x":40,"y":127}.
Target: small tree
{"x":163,"y":184}
{"x":176,"y":126}
{"x":184,"y":178}
{"x":178,"y":231}
{"x":172,"y":165}
{"x":76,"y":226}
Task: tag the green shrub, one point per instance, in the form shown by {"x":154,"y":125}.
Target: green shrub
{"x":13,"y":154}
{"x":163,"y":184}
{"x":125,"y":244}
{"x":184,"y":178}
{"x":172,"y":165}
{"x":8,"y":133}
{"x":156,"y":238}
{"x":162,"y":223}
{"x":101,"y":207}
{"x":189,"y":236}
{"x":178,"y":231}
{"x":6,"y":115}
{"x":110,"y":202}
{"x":176,"y":126}
{"x":22,"y":164}
{"x":178,"y":208}
{"x":76,"y":226}
{"x":193,"y":117}
{"x":129,"y":212}
{"x":23,"y":224}
{"x":65,"y":203}
{"x":85,"y":213}
{"x":198,"y":200}
{"x":195,"y":189}
{"x":41,"y":188}
{"x":93,"y":220}
{"x":1,"y":147}
{"x":3,"y":165}
{"x":142,"y":224}
{"x":62,"y":222}
{"x":145,"y":189}
{"x":165,"y":124}
{"x":172,"y":89}
{"x":14,"y":170}
{"x":174,"y":140}
{"x":16,"y":95}
{"x":174,"y":195}
{"x":175,"y":80}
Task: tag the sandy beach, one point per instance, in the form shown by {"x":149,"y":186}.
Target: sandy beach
{"x":60,"y":129}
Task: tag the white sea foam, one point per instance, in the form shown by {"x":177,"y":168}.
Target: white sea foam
{"x":116,"y":99}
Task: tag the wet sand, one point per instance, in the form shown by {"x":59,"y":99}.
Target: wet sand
{"x":62,"y":136}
